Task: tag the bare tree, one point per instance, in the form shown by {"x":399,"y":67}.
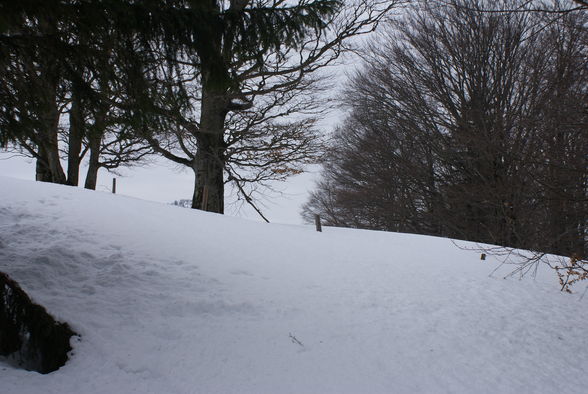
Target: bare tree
{"x":466,"y":124}
{"x":242,"y":88}
{"x":58,"y":71}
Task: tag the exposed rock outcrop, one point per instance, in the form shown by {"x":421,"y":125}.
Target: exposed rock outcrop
{"x":29,"y":336}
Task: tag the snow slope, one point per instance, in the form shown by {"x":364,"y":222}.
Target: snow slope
{"x":170,"y":300}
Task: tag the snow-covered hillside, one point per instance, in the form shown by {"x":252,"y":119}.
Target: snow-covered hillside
{"x":171,"y":300}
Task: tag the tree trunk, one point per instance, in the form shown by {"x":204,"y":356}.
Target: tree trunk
{"x":209,"y":170}
{"x":76,"y":132}
{"x":50,"y":147}
{"x":94,"y":162}
{"x":95,"y":142}
{"x":48,"y":92}
{"x":57,"y":173}
{"x":209,"y":162}
{"x":42,"y":170}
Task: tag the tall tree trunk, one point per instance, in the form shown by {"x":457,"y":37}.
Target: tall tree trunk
{"x":94,"y":145}
{"x":42,"y":170}
{"x":76,"y":133}
{"x":94,"y":162}
{"x":208,"y":170}
{"x":209,"y":162}
{"x":57,"y":173}
{"x":49,"y":145}
{"x":48,"y":92}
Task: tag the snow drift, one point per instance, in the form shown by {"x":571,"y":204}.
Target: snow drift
{"x":170,"y":300}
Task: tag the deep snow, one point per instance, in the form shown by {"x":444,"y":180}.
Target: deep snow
{"x":171,"y":300}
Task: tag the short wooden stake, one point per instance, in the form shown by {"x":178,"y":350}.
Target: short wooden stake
{"x":317,"y":223}
{"x":113,"y":185}
{"x":204,"y":198}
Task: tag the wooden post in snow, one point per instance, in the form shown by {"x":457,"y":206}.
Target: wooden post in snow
{"x":317,"y":223}
{"x":113,"y":185}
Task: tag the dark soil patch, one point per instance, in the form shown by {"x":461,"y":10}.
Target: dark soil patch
{"x":29,"y":336}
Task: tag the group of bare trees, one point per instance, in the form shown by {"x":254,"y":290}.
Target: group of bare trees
{"x":254,"y":82}
{"x":58,"y":88}
{"x":226,"y":88}
{"x":468,"y":124}
{"x":467,"y":119}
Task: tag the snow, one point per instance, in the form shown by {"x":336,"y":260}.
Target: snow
{"x":171,"y":300}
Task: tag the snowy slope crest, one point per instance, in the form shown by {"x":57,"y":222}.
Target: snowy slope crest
{"x":170,"y":300}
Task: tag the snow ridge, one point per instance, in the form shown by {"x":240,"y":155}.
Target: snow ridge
{"x":169,"y":300}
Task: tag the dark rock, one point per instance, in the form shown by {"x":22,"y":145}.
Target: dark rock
{"x":29,"y":336}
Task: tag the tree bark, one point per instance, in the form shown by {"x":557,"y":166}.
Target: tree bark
{"x":76,"y":132}
{"x":209,"y":161}
{"x":209,"y":172}
{"x":50,"y":147}
{"x":42,"y":170}
{"x":94,"y":145}
{"x":94,"y":162}
{"x":47,"y":136}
